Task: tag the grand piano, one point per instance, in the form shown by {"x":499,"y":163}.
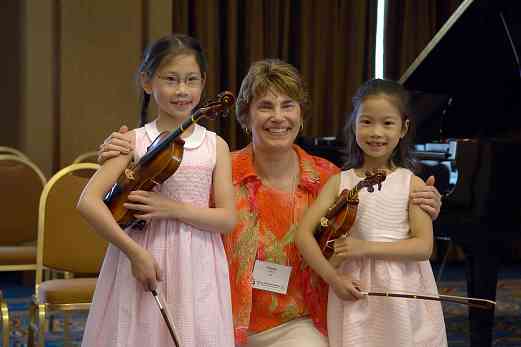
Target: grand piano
{"x":466,"y":87}
{"x":466,"y":96}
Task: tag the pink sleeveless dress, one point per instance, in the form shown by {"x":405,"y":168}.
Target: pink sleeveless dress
{"x":382,"y":321}
{"x":195,"y":282}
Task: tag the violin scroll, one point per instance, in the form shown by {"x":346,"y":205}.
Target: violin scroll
{"x":372,"y":178}
{"x":218,"y":106}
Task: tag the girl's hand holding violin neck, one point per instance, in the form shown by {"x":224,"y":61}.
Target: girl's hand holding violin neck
{"x":151,"y":205}
{"x":428,"y":198}
{"x":345,"y":287}
{"x":114,"y":145}
{"x":145,"y":269}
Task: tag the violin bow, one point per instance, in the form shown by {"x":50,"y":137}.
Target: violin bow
{"x":169,"y":323}
{"x":471,"y":302}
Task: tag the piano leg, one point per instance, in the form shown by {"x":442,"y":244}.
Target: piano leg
{"x":481,"y":265}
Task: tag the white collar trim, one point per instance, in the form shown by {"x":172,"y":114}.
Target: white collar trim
{"x":192,"y":141}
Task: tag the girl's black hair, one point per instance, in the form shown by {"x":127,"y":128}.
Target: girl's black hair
{"x":402,"y":155}
{"x":167,"y":46}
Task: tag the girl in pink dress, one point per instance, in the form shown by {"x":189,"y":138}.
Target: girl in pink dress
{"x":180,"y":251}
{"x":390,"y":242}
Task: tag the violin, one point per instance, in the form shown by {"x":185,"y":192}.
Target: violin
{"x":161,"y":161}
{"x":342,"y":214}
{"x":340,"y":218}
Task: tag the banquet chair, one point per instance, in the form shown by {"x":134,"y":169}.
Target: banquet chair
{"x":87,"y":157}
{"x":4,"y":316}
{"x":13,"y":151}
{"x":65,"y":243}
{"x":21,"y":183}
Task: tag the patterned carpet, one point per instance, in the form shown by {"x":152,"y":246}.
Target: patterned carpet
{"x":54,"y":338}
{"x":507,"y":326}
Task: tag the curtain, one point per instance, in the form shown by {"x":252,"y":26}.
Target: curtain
{"x":329,"y":41}
{"x":410,"y":25}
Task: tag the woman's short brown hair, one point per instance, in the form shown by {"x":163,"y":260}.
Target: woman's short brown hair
{"x":266,"y":75}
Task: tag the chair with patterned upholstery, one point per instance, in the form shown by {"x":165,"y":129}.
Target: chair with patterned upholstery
{"x":65,"y":243}
{"x":21,"y":183}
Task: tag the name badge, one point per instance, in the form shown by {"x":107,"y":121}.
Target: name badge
{"x":271,"y":277}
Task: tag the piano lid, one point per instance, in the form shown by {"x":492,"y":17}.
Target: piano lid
{"x":467,"y":80}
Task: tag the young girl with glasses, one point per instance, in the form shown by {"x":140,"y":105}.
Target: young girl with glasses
{"x":179,"y":252}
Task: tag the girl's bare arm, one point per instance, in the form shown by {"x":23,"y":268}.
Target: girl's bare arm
{"x":309,"y":248}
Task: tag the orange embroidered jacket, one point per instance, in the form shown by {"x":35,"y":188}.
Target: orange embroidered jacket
{"x":265,"y":231}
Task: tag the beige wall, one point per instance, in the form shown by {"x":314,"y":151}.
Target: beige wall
{"x":100,"y":46}
{"x":76,"y":66}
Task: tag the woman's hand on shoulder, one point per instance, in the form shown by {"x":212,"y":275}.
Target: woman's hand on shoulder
{"x":120,"y":142}
{"x":420,"y":225}
{"x":426,"y":196}
{"x":107,"y":174}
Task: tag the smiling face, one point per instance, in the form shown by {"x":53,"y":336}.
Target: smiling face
{"x":176,"y":86}
{"x":379,"y":128}
{"x":274,"y":120}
